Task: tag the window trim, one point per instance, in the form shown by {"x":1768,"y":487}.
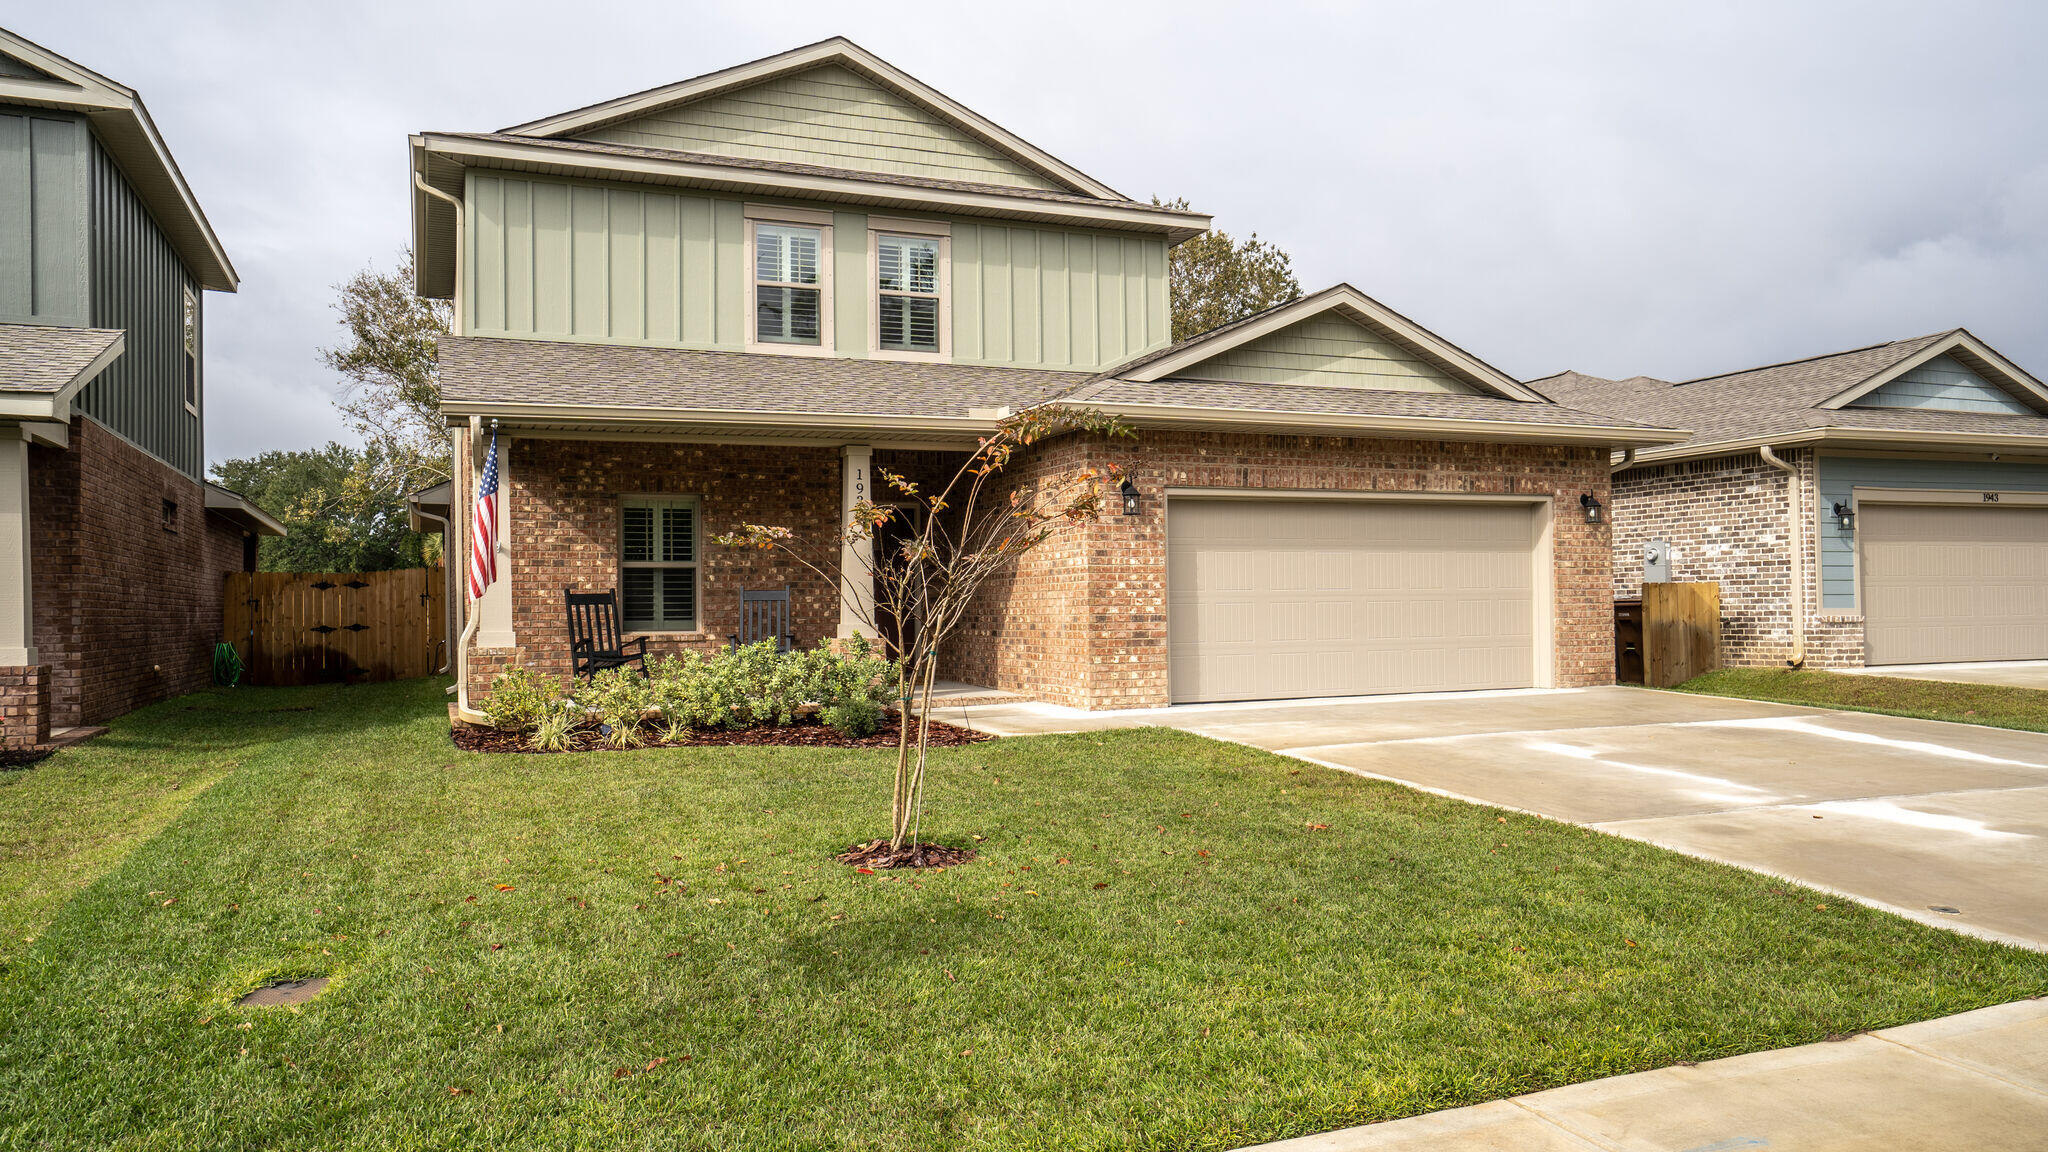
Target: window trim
{"x":880,"y":226}
{"x":820,"y":222}
{"x":696,"y":566}
{"x":188,"y":343}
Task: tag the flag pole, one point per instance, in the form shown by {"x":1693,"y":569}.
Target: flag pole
{"x":469,"y":626}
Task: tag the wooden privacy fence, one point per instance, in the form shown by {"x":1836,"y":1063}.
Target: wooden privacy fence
{"x":1681,"y":632}
{"x":318,"y":627}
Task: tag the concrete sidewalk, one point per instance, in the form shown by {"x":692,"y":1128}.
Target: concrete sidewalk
{"x":1977,"y":1082}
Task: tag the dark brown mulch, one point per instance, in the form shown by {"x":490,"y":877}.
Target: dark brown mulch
{"x":809,"y":734}
{"x":17,"y":758}
{"x":876,"y":855}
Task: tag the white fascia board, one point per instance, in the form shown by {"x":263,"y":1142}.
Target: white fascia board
{"x":601,"y":166}
{"x":1874,"y":439}
{"x":837,"y":50}
{"x":1340,"y":298}
{"x":2015,"y":377}
{"x":585,"y":414}
{"x":56,"y":406}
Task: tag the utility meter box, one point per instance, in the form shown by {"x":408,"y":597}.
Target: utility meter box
{"x":1657,"y":562}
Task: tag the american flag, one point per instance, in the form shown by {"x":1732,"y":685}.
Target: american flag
{"x":483,"y":544}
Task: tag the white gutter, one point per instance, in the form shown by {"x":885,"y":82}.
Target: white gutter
{"x":1795,"y":541}
{"x":420,"y":182}
{"x":1876,"y":439}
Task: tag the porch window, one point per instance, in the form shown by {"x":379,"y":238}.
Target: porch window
{"x":788,"y":283}
{"x":658,"y":564}
{"x":907,"y":280}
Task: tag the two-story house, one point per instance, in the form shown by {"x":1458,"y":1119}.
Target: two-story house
{"x":734,"y":298}
{"x":112,"y":544}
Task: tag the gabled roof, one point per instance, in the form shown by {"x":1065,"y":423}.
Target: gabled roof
{"x":1343,"y":300}
{"x":43,"y":366}
{"x":837,"y":50}
{"x":1813,"y":399}
{"x":124,"y":128}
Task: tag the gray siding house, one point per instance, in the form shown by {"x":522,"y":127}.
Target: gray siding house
{"x":112,"y":543}
{"x":1897,"y":493}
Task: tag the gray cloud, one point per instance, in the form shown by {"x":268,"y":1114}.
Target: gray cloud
{"x":1613,"y":187}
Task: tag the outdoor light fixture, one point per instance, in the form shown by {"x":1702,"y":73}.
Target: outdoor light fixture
{"x":1845,"y":514}
{"x":1130,"y":495}
{"x":1592,"y":508}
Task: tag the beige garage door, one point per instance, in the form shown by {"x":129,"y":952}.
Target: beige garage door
{"x":1270,"y":599}
{"x":1953,"y":582}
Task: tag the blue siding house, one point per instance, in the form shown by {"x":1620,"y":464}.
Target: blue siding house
{"x":112,"y":543}
{"x":1897,"y":494}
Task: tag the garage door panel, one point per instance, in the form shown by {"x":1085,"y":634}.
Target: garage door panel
{"x":1953,"y":582}
{"x":1348,"y":597}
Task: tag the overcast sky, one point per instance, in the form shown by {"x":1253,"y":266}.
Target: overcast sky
{"x":1612,"y":187}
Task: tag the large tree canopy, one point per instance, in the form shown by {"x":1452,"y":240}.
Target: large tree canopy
{"x":334,"y":522}
{"x":391,"y":383}
{"x":1217,"y":279}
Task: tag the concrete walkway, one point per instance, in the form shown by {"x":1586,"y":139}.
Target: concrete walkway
{"x":2009,"y":673}
{"x":1946,"y":824}
{"x":1977,"y":1082}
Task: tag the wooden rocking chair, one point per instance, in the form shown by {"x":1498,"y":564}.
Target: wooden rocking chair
{"x":765,"y":615}
{"x":594,"y":643}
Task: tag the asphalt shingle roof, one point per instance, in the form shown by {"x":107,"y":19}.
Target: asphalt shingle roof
{"x":46,"y":358}
{"x":497,"y":370}
{"x":1779,"y":399}
{"x":1343,"y":402}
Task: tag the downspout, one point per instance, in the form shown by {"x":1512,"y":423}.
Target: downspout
{"x":445,"y":561}
{"x":475,"y":617}
{"x":1795,"y":538}
{"x":1628,"y":457}
{"x":460,"y":656}
{"x":420,"y":182}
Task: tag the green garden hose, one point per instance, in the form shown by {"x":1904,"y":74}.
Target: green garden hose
{"x":227,"y":665}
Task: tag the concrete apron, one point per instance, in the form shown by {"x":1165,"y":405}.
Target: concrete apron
{"x":1946,"y":824}
{"x":1977,"y":1082}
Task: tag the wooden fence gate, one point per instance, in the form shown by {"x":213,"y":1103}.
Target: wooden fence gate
{"x":1681,"y":632}
{"x":319,"y":627}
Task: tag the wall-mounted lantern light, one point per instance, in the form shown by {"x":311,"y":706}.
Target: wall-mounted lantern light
{"x":1591,"y":507}
{"x":1130,"y":495}
{"x":1845,"y":515}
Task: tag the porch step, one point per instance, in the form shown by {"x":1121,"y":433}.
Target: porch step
{"x":66,"y":737}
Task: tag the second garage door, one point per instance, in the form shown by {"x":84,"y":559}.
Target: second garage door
{"x":1945,"y":582}
{"x":1272,"y":599}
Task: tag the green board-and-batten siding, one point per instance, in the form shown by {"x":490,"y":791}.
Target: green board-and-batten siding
{"x":1840,"y":476}
{"x":44,"y":241}
{"x":830,"y":116}
{"x":1944,"y":384}
{"x":139,"y":285}
{"x":563,"y":260}
{"x":1328,"y":352}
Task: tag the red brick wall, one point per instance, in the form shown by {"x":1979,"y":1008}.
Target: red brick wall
{"x":1083,"y":621}
{"x":1725,"y":521}
{"x":563,"y":531}
{"x":24,"y":706}
{"x":126,"y":610}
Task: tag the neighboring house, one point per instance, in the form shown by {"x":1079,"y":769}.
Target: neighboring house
{"x":1910,"y":479}
{"x":112,"y":543}
{"x":736,"y":298}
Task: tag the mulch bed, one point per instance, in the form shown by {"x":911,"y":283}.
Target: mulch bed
{"x":14,"y":759}
{"x":809,"y":734}
{"x":876,"y":854}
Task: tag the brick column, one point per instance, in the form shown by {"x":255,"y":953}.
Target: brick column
{"x":24,"y":707}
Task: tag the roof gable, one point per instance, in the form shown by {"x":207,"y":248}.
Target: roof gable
{"x":21,"y":69}
{"x":1943,"y":384}
{"x":831,"y":103}
{"x":1309,"y":337}
{"x":830,"y":116}
{"x":1330,"y":350}
{"x":127,"y":133}
{"x":1994,"y":378}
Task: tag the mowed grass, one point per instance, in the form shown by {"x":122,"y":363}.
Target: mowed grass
{"x":1994,"y":705}
{"x":1168,"y":942}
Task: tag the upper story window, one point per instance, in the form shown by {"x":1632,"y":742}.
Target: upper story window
{"x":792,"y":285}
{"x":191,"y":352}
{"x":912,"y":282}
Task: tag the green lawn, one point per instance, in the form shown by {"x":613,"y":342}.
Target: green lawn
{"x":1161,"y":946}
{"x":1991,"y":704}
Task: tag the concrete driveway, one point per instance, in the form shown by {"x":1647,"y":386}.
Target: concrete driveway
{"x":2010,"y":673}
{"x":1943,"y":823}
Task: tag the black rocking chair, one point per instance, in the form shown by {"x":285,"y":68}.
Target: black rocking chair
{"x":594,"y":643}
{"x":765,"y":615}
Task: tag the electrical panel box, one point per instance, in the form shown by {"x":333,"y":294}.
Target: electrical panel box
{"x":1657,"y":562}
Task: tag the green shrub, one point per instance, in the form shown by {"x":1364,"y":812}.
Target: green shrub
{"x":551,"y":734}
{"x":520,"y":698}
{"x":853,"y":718}
{"x":756,"y":685}
{"x":620,"y":697}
